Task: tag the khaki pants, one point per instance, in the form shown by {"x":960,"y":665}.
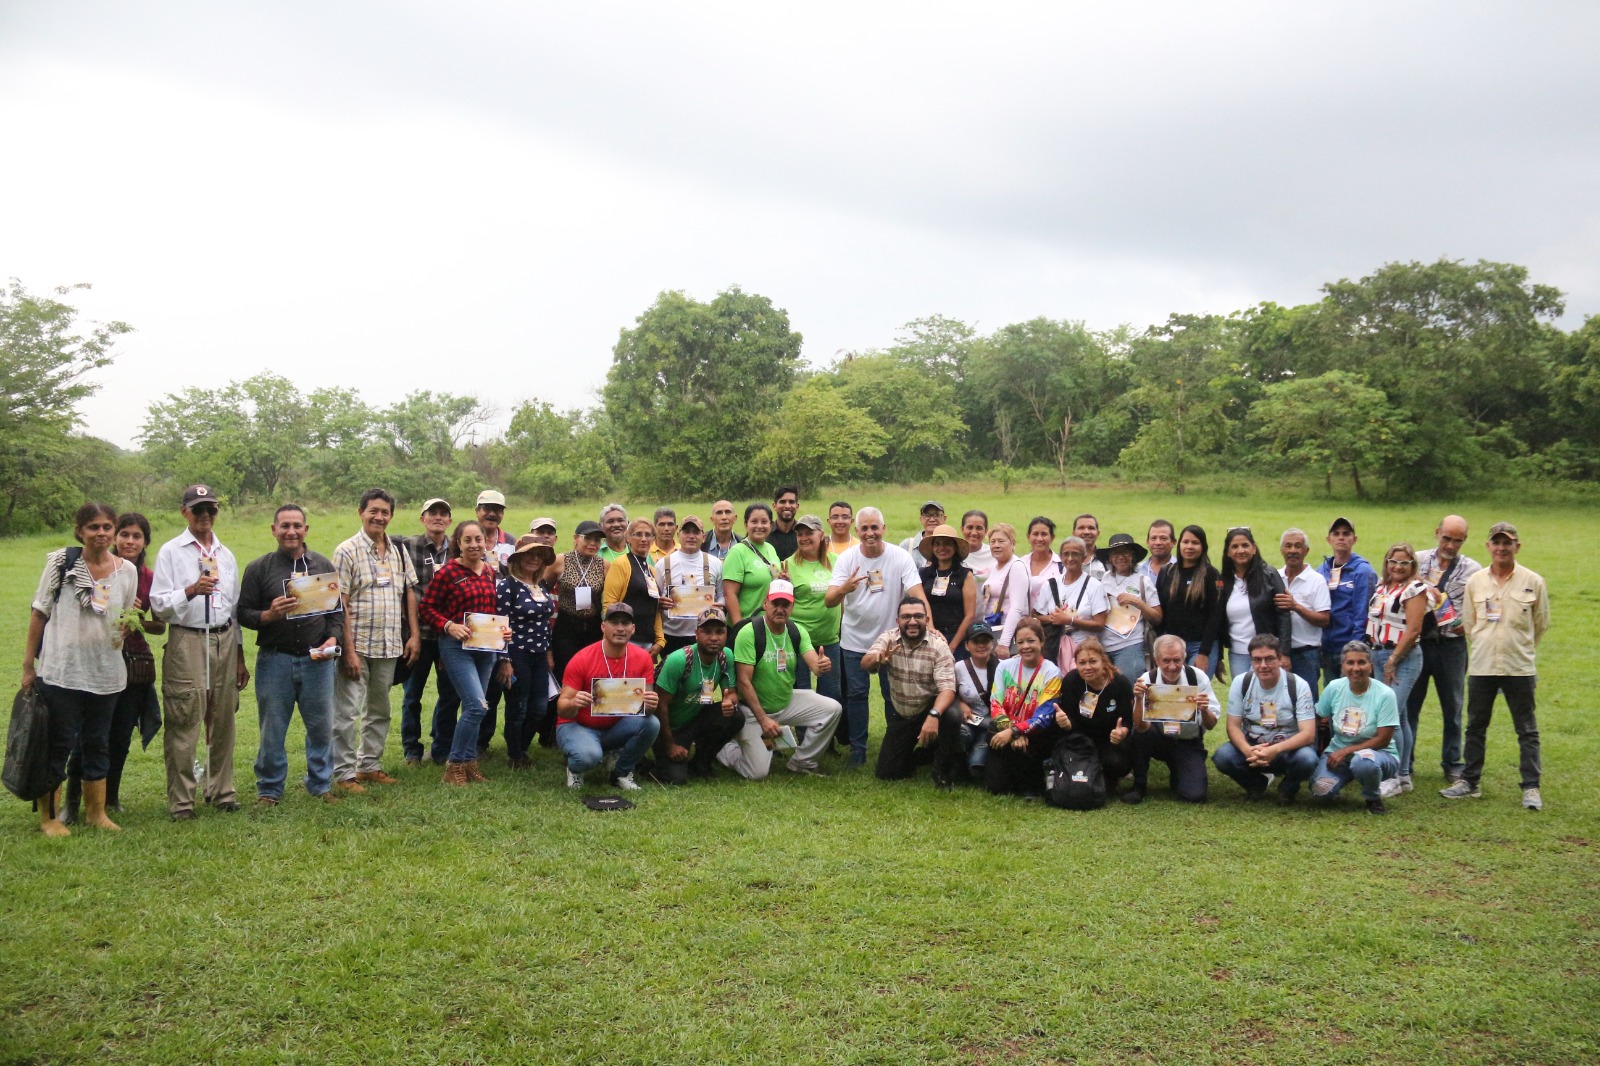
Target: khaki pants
{"x":365,"y":701}
{"x":183,"y":672}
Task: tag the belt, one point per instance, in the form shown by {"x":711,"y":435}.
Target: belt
{"x":293,"y":654}
{"x":1307,"y":647}
{"x":1385,"y":647}
{"x":197,"y":629}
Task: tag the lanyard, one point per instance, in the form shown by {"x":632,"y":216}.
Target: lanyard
{"x":624,"y":657}
{"x":583,"y":569}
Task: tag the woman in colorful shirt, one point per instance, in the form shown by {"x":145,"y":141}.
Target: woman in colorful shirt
{"x":525,"y":672}
{"x":1026,"y":687}
{"x":465,"y":586}
{"x":1395,"y":615}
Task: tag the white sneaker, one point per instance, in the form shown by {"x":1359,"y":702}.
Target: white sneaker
{"x":1461,"y":790}
{"x":1389,"y":788}
{"x":574,"y":780}
{"x":1405,"y":783}
{"x":610,"y":762}
{"x":1531,"y":800}
{"x":626,"y":783}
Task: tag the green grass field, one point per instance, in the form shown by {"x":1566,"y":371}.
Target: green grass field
{"x":840,"y":920}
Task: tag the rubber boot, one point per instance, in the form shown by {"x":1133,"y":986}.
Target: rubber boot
{"x":94,"y":794}
{"x":114,"y":790}
{"x":49,"y":822}
{"x":69,"y":813}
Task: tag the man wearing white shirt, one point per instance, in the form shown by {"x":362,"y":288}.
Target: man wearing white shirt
{"x":869,"y":580}
{"x":688,"y":565}
{"x":195,"y":590}
{"x":1308,"y":603}
{"x":1179,"y":744}
{"x":1160,"y":539}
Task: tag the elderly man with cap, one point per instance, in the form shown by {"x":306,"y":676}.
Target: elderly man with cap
{"x":1444,"y":646}
{"x":922,"y":677}
{"x":1350,"y":580}
{"x":295,"y":655}
{"x":491,"y":511}
{"x":1507,"y":611}
{"x":587,"y":737}
{"x":765,"y":654}
{"x":687,"y":570}
{"x":932,"y":515}
{"x":429,"y":552}
{"x":195,"y":591}
{"x":614,"y":525}
{"x":697,"y":702}
{"x":1135,"y":606}
{"x":1177,"y":739}
{"x":1305,"y":597}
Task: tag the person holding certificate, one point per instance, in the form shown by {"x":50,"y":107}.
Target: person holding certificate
{"x":632,"y":580}
{"x":1272,"y":726}
{"x":606,"y":710}
{"x":1135,"y":608}
{"x":690,"y":580}
{"x":1173,"y":706}
{"x":468,"y":647}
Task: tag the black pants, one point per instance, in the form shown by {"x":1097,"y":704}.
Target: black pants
{"x":674,"y":643}
{"x":124,"y":722}
{"x":80,"y":720}
{"x":1518,"y":692}
{"x":704,"y":735}
{"x":1016,"y":771}
{"x":899,"y":756}
{"x":1185,"y":759}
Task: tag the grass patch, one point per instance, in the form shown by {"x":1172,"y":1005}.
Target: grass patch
{"x":841,"y":920}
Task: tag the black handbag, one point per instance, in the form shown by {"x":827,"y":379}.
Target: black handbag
{"x":27,"y":770}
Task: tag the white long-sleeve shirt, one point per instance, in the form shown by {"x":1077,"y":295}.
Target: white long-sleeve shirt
{"x":177,"y":567}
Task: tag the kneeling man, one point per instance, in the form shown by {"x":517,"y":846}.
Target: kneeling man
{"x":922,"y":680}
{"x":697,"y":702}
{"x":1179,"y":744}
{"x":1272,"y":725}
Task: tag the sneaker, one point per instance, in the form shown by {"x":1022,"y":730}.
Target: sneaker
{"x":625,"y":782}
{"x":856,"y":762}
{"x":941,"y":783}
{"x":228,"y":806}
{"x":574,"y":780}
{"x":1462,"y":789}
{"x":1405,"y":783}
{"x":1531,"y":799}
{"x":1389,"y":788}
{"x":1376,"y":807}
{"x":1133,"y":796}
{"x":812,"y":770}
{"x":1286,"y":799}
{"x":413,"y":760}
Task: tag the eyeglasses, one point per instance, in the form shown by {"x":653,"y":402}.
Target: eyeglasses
{"x":203,"y":508}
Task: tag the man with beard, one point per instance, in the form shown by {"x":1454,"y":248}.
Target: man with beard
{"x":922,"y":678}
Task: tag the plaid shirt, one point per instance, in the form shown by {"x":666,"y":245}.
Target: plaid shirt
{"x":427,"y":561}
{"x":455,"y":591}
{"x":376,"y":612}
{"x":917,"y":673}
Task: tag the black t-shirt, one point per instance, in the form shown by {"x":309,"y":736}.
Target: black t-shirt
{"x":785,"y":544}
{"x":1180,"y":615}
{"x":1114,"y":706}
{"x":949,"y":609}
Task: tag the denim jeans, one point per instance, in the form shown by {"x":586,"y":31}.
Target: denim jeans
{"x":282,"y":681}
{"x":1368,"y":766}
{"x":1405,"y":675}
{"x":411,"y":705}
{"x":828,"y":684}
{"x":526,"y":700}
{"x":1213,"y":658}
{"x":469,"y":674}
{"x":1293,"y":766}
{"x":857,"y":696}
{"x":1307,"y":666}
{"x":1129,"y":661}
{"x":585,"y":747}
{"x":1444,"y":662}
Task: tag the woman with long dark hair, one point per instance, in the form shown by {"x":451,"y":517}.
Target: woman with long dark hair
{"x":1187,"y":588}
{"x":750,"y":566}
{"x":1246,"y":603}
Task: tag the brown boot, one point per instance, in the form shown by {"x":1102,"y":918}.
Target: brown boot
{"x":94,"y":803}
{"x":48,"y":823}
{"x":473,"y":773}
{"x":455,"y":773}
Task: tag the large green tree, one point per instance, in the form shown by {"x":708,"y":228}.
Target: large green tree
{"x":1332,"y":423}
{"x":1185,"y":371}
{"x":554,"y":456}
{"x":246,"y":439}
{"x":916,"y":409}
{"x":692,"y":387}
{"x":819,"y":438}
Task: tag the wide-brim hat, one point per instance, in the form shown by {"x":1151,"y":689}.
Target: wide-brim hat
{"x":946,"y":530}
{"x":1121,"y":540}
{"x":527,"y":545}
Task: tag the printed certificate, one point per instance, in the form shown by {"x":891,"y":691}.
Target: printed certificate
{"x":616,"y":697}
{"x":486,"y":634}
{"x":1122,"y":620}
{"x":689,"y":600}
{"x":313,"y":594}
{"x":1171,"y":703}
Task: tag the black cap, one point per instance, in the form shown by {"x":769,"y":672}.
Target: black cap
{"x":588,"y":528}
{"x":199,"y":494}
{"x":979,"y":630}
{"x":619,"y":608}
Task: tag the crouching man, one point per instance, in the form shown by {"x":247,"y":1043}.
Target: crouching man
{"x":697,"y":702}
{"x":1177,"y":741}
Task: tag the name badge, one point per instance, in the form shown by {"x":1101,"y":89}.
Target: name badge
{"x":382,"y":576}
{"x":1333,"y":576}
{"x":651,"y":586}
{"x":941,"y":585}
{"x":503,"y":551}
{"x":583,"y":597}
{"x":1491,"y":610}
{"x":783,"y":662}
{"x":1269,"y":713}
{"x":100,"y":597}
{"x":708,"y":690}
{"x":1350,"y":721}
{"x":875,"y":581}
{"x":1170,"y":728}
{"x":1087,"y":705}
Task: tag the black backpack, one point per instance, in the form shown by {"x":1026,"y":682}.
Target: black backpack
{"x":1073,"y":778}
{"x":760,"y":635}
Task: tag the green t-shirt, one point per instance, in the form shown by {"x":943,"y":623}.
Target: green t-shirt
{"x":820,"y":621}
{"x":773,"y":688}
{"x":751,"y":567}
{"x":607,"y":554}
{"x":1357,"y":718}
{"x":682,"y":675}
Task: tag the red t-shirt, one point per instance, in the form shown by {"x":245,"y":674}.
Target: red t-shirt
{"x":592,"y":663}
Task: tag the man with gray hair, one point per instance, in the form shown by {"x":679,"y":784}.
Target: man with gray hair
{"x":614,"y":524}
{"x":869,"y":580}
{"x":1174,"y":739}
{"x":1305,"y":597}
{"x":1444,"y":646}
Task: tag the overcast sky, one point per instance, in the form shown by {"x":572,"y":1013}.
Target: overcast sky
{"x":477,"y":196}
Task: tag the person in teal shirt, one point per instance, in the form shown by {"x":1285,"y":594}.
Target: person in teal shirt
{"x":698,"y":703}
{"x":810,"y":570}
{"x":1364,"y":717}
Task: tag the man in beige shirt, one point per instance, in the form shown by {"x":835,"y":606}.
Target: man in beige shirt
{"x":1506,"y":613}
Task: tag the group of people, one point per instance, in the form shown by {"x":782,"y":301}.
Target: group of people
{"x":681,"y":645}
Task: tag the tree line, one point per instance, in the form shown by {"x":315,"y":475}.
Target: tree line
{"x":1419,"y":378}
